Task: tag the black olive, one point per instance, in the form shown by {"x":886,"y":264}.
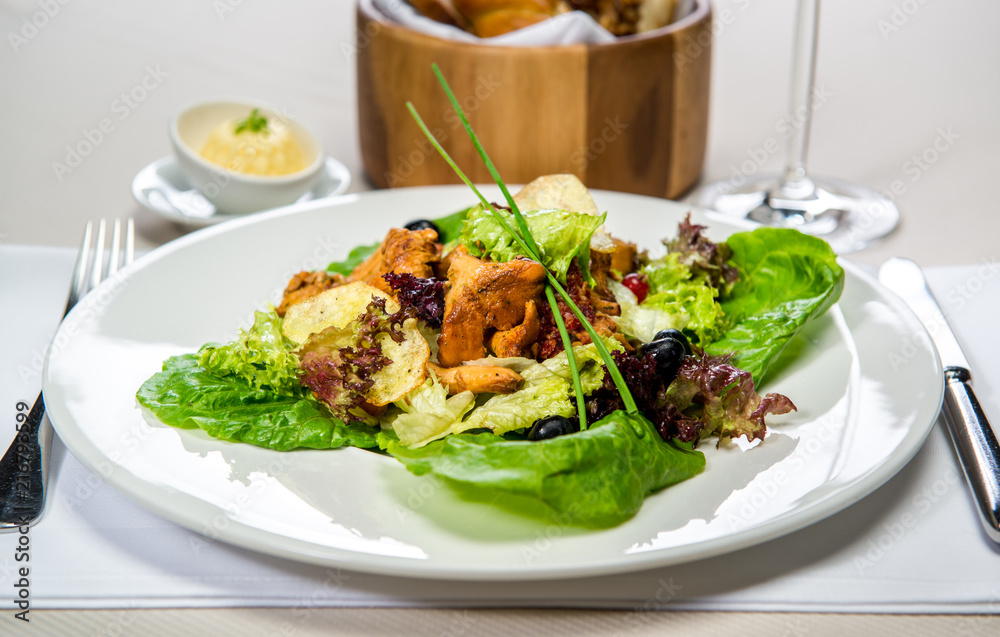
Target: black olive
{"x":668,"y":354}
{"x":677,"y":335}
{"x":422,"y":224}
{"x":545,"y":428}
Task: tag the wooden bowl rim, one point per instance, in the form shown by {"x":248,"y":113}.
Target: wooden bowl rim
{"x":700,"y":13}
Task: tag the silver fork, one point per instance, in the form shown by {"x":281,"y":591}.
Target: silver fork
{"x":24,"y":468}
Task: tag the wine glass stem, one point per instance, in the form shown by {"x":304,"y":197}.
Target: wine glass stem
{"x":795,"y":181}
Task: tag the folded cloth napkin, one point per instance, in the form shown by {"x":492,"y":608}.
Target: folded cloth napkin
{"x":915,"y":545}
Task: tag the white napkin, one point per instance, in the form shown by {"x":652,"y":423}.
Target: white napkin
{"x":575,"y":27}
{"x":915,"y":545}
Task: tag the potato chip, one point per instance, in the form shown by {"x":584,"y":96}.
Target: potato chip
{"x":335,"y":307}
{"x":408,"y":369}
{"x":563,"y":192}
{"x":341,"y":305}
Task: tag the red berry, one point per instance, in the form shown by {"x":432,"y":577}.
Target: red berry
{"x":637,"y":285}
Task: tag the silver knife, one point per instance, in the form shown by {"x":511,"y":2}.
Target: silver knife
{"x":971,"y":433}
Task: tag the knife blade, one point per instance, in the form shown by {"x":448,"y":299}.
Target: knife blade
{"x":970,"y":430}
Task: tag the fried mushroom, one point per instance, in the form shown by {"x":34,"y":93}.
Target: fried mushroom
{"x":482,"y":297}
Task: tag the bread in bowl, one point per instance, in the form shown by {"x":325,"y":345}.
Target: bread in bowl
{"x":489,"y":18}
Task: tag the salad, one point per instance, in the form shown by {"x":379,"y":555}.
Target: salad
{"x":517,"y":352}
{"x":436,"y":346}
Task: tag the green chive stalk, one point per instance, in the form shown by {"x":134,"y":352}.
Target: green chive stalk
{"x":528,"y":245}
{"x":581,"y":407}
{"x":533,"y":252}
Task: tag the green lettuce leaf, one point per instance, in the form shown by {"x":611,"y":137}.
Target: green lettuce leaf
{"x":593,"y":478}
{"x":562,"y":237}
{"x":450,"y":226}
{"x":354,"y":259}
{"x":261,"y":356}
{"x":428,"y":413}
{"x":386,"y":437}
{"x":185,"y":395}
{"x":786,"y":278}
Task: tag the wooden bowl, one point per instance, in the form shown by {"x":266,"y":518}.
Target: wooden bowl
{"x":630,"y":116}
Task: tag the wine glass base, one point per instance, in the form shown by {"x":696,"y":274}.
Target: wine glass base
{"x":846,"y":216}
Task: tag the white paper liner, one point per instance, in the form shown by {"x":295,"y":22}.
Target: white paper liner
{"x":575,"y":27}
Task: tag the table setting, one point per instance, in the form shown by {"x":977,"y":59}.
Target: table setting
{"x":871,"y":508}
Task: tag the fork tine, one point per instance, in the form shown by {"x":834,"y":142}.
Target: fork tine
{"x":129,"y":241}
{"x":97,"y":269}
{"x":80,"y":268}
{"x":116,"y":240}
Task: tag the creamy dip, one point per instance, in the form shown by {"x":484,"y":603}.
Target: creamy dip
{"x":255,"y":146}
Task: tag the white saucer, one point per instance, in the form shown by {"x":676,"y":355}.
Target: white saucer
{"x":163,"y":188}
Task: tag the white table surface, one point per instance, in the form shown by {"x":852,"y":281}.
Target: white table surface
{"x":902,"y":76}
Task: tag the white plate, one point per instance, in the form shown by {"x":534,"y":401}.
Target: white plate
{"x":866,"y":383}
{"x":163,"y":188}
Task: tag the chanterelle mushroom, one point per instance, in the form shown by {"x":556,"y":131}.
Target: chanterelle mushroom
{"x":402,"y":251}
{"x":518,"y":340}
{"x":306,"y":285}
{"x":482,"y":297}
{"x":479,"y":379}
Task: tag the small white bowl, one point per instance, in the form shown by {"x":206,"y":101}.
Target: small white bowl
{"x":230,"y":191}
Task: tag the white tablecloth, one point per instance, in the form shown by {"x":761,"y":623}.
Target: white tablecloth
{"x":913,"y":546}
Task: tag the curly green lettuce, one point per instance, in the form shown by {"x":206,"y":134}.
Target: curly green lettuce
{"x":261,"y":355}
{"x":684,"y":289}
{"x":674,"y":301}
